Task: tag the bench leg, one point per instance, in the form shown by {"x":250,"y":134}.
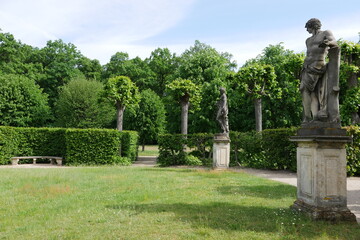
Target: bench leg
{"x":52,"y":161}
{"x":59,"y":162}
{"x":34,"y":160}
{"x":15,"y":162}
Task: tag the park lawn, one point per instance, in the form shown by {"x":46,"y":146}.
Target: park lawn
{"x":152,"y":203}
{"x":150,"y":150}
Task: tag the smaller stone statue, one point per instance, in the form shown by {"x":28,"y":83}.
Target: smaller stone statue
{"x":222,"y":113}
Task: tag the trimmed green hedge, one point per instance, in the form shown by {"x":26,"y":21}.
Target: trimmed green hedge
{"x":77,"y":146}
{"x":191,"y":149}
{"x":171,"y":149}
{"x":353,"y":151}
{"x":129,"y":144}
{"x":270,"y":149}
{"x":9,"y":144}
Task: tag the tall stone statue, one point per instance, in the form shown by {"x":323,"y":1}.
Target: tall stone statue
{"x":321,"y":152}
{"x":320,"y":79}
{"x":222,"y":113}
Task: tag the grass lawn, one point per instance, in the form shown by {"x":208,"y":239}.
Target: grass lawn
{"x":150,"y":150}
{"x":152,"y":203}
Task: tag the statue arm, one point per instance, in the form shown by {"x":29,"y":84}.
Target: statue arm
{"x":329,"y":40}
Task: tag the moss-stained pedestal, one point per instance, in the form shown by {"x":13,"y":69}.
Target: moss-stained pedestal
{"x":221,"y":151}
{"x":321,"y":172}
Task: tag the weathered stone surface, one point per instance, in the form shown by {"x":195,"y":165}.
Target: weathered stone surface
{"x":321,"y":184}
{"x":319,"y":85}
{"x":221,"y":151}
{"x":324,"y":213}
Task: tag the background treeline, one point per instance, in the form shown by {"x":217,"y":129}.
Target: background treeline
{"x":57,"y":86}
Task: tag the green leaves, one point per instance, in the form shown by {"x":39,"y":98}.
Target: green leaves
{"x":80,"y":106}
{"x":148,"y":119}
{"x":184,"y":90}
{"x":22,"y":102}
{"x":122,"y":90}
{"x":258,"y":80}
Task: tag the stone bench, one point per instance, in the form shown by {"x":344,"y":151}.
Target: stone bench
{"x":53,"y":160}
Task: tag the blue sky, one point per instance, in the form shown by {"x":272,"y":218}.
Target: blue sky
{"x":243,"y":28}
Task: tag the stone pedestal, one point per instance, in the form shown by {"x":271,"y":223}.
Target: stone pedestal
{"x":221,"y":151}
{"x":321,"y":174}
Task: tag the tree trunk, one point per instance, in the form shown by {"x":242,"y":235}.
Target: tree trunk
{"x":120,"y":116}
{"x":184,"y":116}
{"x":258,"y":114}
{"x":143,"y":147}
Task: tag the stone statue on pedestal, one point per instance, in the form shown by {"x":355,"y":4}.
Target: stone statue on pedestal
{"x":321,"y":152}
{"x":221,"y":146}
{"x":320,"y":80}
{"x":222,"y":113}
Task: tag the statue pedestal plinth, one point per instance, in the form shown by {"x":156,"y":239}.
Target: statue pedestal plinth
{"x":221,"y":151}
{"x":321,"y":174}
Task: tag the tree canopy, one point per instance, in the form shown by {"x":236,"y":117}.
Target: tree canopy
{"x":123,"y":92}
{"x":22,"y":102}
{"x":80,"y":105}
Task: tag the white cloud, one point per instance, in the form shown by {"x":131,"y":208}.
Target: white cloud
{"x":84,"y":21}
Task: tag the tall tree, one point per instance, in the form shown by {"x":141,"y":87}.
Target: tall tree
{"x":136,"y":69}
{"x":79,"y":105}
{"x":22,"y":103}
{"x":184,"y":91}
{"x":123,"y":92}
{"x":287,"y":66}
{"x":91,"y":69}
{"x":257,"y":80}
{"x":59,"y":62}
{"x":164,"y":64}
{"x":202,"y":63}
{"x":16,"y":57}
{"x":207,"y":68}
{"x":148,"y":118}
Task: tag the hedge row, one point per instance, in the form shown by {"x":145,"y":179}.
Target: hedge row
{"x":353,"y":151}
{"x":77,"y":146}
{"x":178,"y":149}
{"x":270,"y":149}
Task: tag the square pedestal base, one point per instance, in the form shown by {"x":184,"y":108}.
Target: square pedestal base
{"x":323,"y":213}
{"x":321,"y":175}
{"x":221,"y":152}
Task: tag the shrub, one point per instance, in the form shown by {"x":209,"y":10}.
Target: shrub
{"x":171,"y":149}
{"x":191,"y":160}
{"x":202,"y":144}
{"x":279,"y":152}
{"x":247,"y":149}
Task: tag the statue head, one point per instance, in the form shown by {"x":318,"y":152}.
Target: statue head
{"x":313,"y":23}
{"x":222,"y":90}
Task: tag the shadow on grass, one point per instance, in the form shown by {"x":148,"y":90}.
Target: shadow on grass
{"x":232,"y":217}
{"x":263,"y":191}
